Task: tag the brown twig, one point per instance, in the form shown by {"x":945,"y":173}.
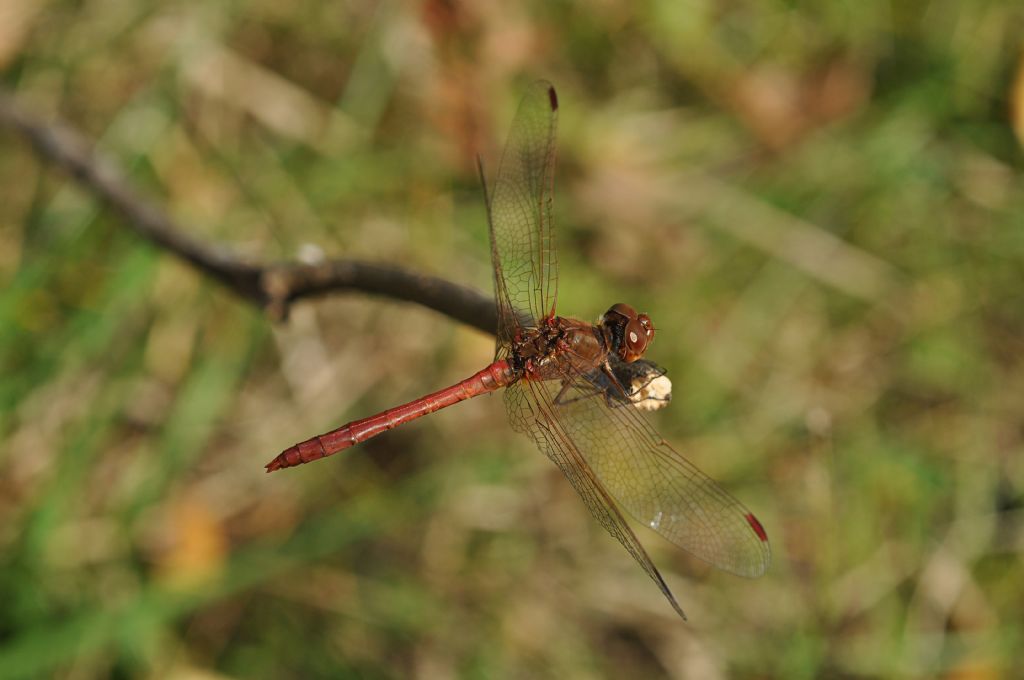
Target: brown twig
{"x":271,"y":285}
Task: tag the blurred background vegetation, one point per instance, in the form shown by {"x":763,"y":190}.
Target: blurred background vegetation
{"x":820,"y":204}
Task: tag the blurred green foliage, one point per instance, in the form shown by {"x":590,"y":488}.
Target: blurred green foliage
{"x":818,"y":203}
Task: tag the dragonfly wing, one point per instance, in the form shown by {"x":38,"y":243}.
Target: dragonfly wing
{"x":519,"y":214}
{"x":653,"y":482}
{"x":532,"y":410}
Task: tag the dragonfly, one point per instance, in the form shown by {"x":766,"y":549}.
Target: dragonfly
{"x":578,"y":389}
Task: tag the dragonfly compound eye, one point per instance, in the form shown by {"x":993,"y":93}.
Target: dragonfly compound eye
{"x":623,"y":310}
{"x":634,"y":341}
{"x":648,"y":325}
{"x":629,"y":333}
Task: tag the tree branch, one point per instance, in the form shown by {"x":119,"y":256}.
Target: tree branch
{"x":273,"y":286}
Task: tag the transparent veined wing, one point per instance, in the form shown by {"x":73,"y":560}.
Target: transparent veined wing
{"x":519,"y":215}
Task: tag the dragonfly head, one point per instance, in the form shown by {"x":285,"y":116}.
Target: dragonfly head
{"x":627,"y":332}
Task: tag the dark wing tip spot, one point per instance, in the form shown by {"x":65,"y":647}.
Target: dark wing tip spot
{"x":553,"y":98}
{"x":756,"y":526}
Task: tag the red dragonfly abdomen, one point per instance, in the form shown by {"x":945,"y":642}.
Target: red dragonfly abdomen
{"x":499,"y":374}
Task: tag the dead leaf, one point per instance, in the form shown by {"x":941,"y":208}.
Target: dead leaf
{"x":1017,"y":102}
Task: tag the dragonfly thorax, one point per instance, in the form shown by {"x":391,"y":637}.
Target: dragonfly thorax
{"x":559,"y":346}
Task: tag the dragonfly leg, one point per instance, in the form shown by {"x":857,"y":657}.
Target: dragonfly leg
{"x":627,"y":395}
{"x":560,"y":399}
